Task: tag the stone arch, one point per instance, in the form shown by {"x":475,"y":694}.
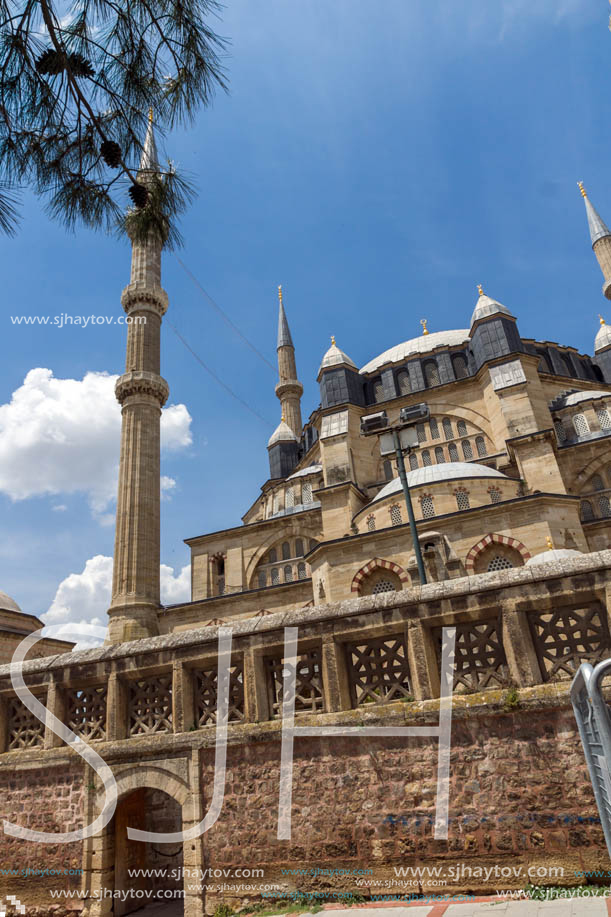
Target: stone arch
{"x":378,"y":563}
{"x":494,"y":538}
{"x":596,"y":465}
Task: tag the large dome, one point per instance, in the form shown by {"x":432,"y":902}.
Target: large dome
{"x":423,"y":344}
{"x":568,"y":401}
{"x":7,"y":603}
{"x":433,"y":474}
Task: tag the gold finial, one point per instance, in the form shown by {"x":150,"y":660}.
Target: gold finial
{"x":280,"y":294}
{"x":582,"y":189}
{"x":333,"y":340}
{"x":602,"y":321}
{"x":150,"y":115}
{"x":549,"y":543}
{"x":480,"y":289}
{"x":423,"y":322}
{"x":283,"y":417}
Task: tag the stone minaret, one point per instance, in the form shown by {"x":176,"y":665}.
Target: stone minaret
{"x":141,"y":392}
{"x":289,"y":390}
{"x":601,"y":241}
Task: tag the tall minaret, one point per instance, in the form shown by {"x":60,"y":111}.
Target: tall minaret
{"x":601,"y":240}
{"x":141,"y":392}
{"x":289,"y":390}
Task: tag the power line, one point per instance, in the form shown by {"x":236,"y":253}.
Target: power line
{"x":224,"y":315}
{"x":216,"y":378}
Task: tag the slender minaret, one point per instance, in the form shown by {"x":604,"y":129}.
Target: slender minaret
{"x":601,"y":240}
{"x":289,"y":390}
{"x":141,"y":392}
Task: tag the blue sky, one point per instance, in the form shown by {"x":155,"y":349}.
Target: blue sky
{"x":378,"y":161}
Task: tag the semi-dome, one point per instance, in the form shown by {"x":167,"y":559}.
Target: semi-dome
{"x":310,"y":469}
{"x":603,"y":338}
{"x":423,"y":344}
{"x":553,"y":555}
{"x":7,"y":603}
{"x":576,"y":397}
{"x":433,"y":474}
{"x":335,"y":357}
{"x":486,"y":306}
{"x":282,"y":433}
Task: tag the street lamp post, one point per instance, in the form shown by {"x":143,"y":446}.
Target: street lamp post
{"x":408,"y":503}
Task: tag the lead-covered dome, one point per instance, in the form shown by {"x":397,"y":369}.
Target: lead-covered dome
{"x":423,"y":344}
{"x":433,"y":474}
{"x":553,"y":556}
{"x":486,"y":306}
{"x":7,"y":603}
{"x":603,"y":338}
{"x":282,"y":434}
{"x":335,"y":357}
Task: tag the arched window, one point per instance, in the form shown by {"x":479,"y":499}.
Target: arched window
{"x":272,"y":557}
{"x":462,"y":428}
{"x":395,"y":514}
{"x":286,"y":550}
{"x":434,"y":428}
{"x":448,"y":432}
{"x":453,"y":452}
{"x":290,"y":497}
{"x":426,"y":457}
{"x":302,"y":571}
{"x":467,"y":450}
{"x":597,"y":482}
{"x":586,"y":511}
{"x":604,"y":506}
{"x":388,"y":475}
{"x":544,"y":366}
{"x":439,"y":456}
{"x":560,"y":431}
{"x":378,"y":390}
{"x":480,"y":445}
{"x":420,"y":432}
{"x":581,"y":424}
{"x":403,"y":382}
{"x":565,"y":366}
{"x":275,"y":576}
{"x":262,"y":579}
{"x":371,"y":523}
{"x":462,"y":499}
{"x":276,"y":503}
{"x":604,"y":419}
{"x":306,"y":493}
{"x":431,"y":374}
{"x":427,"y":506}
{"x":299,"y":547}
{"x":380,"y":581}
{"x":288,"y":574}
{"x":460,"y":367}
{"x":495,"y":495}
{"x":413,"y":461}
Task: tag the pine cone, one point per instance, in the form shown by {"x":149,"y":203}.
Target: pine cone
{"x":51,"y":62}
{"x":80,"y":66}
{"x":111,"y":153}
{"x":139,"y":195}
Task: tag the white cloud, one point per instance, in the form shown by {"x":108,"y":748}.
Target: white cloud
{"x":83,"y":598}
{"x":61,"y":436}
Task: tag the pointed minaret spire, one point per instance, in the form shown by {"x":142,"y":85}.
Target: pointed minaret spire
{"x":289,"y":390}
{"x":601,"y":240}
{"x":141,"y":392}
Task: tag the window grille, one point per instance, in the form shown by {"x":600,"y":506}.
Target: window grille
{"x":262,"y":579}
{"x":383,"y":585}
{"x":395,"y":514}
{"x":272,"y":557}
{"x":495,"y":495}
{"x":604,"y":419}
{"x":448,"y":432}
{"x":453,"y":452}
{"x":302,"y":571}
{"x":499,"y":562}
{"x":388,"y":470}
{"x":480,"y":660}
{"x":286,"y":550}
{"x":413,"y":461}
{"x":467,"y":450}
{"x":420,"y":432}
{"x":604,"y":506}
{"x":560,"y":431}
{"x":288,"y":574}
{"x":150,"y":705}
{"x":86,"y":712}
{"x":460,"y":367}
{"x":275,"y":576}
{"x":426,"y":458}
{"x":299,"y":547}
{"x":597,"y":482}
{"x":431,"y":374}
{"x":439,"y":456}
{"x":405,"y":386}
{"x":581,"y":424}
{"x":462,"y":499}
{"x":206,"y":695}
{"x":371,"y":523}
{"x":427,"y":506}
{"x":309,"y":696}
{"x":434,"y":428}
{"x":306,"y":493}
{"x":567,"y":637}
{"x":378,"y":390}
{"x":462,"y":428}
{"x":587,"y":513}
{"x":378,"y":670}
{"x":24,"y":729}
{"x":290,"y":497}
{"x":480,"y":445}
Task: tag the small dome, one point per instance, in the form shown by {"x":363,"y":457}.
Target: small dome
{"x":7,"y":603}
{"x":282,"y":433}
{"x":335,"y":357}
{"x":423,"y":344}
{"x":433,"y":474}
{"x":311,"y":469}
{"x":486,"y":306}
{"x":550,"y":557}
{"x":603,"y":338}
{"x":576,"y":397}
